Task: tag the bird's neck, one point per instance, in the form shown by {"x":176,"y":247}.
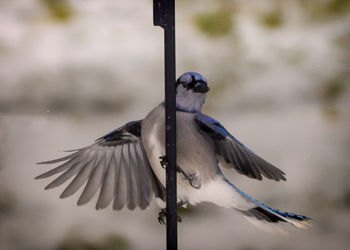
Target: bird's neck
{"x":186,"y":108}
{"x":191,"y":105}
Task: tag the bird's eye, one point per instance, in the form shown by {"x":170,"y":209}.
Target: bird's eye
{"x":197,"y":85}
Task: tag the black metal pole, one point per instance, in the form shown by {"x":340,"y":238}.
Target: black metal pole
{"x":164,"y":16}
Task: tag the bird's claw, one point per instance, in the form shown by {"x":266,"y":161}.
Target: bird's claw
{"x":194,"y":179}
{"x":162,"y":217}
{"x":163,"y":161}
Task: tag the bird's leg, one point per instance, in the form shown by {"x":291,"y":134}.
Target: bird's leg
{"x":162,"y":214}
{"x":194,"y":179}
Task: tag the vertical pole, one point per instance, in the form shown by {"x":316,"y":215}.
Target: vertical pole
{"x":164,"y":16}
{"x":170,"y":113}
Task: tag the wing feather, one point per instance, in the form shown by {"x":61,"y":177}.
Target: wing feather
{"x":136,"y":173}
{"x":78,"y":180}
{"x":75,"y":168}
{"x":68,"y":157}
{"x":60,"y":168}
{"x":132,"y":192}
{"x":234,"y":153}
{"x":144,"y":179}
{"x":116,"y":164}
{"x":107,"y":189}
{"x":121,"y":184}
{"x":96,"y":176}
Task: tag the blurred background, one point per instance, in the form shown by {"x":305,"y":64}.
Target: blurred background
{"x":279,"y":73}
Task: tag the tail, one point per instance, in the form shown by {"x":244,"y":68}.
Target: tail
{"x":268,"y":218}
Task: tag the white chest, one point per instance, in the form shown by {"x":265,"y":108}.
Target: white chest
{"x":190,"y":157}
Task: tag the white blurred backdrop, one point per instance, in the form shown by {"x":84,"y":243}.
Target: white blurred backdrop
{"x":279,"y":73}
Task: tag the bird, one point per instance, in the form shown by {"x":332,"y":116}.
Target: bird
{"x":127,"y":166}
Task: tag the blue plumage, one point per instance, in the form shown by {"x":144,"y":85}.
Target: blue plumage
{"x":218,"y":128}
{"x":268,"y":208}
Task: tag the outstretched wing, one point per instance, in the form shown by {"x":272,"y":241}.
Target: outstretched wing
{"x":116,"y":164}
{"x":234,"y":153}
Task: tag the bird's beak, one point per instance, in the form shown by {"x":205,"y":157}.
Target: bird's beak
{"x":201,"y":87}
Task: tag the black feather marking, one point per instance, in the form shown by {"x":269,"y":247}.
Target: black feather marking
{"x":262,"y":214}
{"x":133,"y":128}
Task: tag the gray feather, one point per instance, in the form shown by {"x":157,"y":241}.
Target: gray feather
{"x":121,"y":184}
{"x":144,"y":179}
{"x":59,"y":159}
{"x":107,"y":189}
{"x":136,"y":173}
{"x":78,"y":180}
{"x":75,"y":168}
{"x":132,"y":191}
{"x":95,"y":179}
{"x":76,"y":159}
{"x":115,"y":163}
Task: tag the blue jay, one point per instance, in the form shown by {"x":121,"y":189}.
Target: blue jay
{"x":127,"y":164}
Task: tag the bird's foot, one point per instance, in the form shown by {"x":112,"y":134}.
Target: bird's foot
{"x":162,"y":214}
{"x":163,"y":161}
{"x":193,"y":178}
{"x":162,"y":217}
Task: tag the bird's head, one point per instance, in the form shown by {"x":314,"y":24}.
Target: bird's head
{"x":191,"y":90}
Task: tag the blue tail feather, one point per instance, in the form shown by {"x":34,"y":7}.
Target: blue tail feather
{"x":263,"y":211}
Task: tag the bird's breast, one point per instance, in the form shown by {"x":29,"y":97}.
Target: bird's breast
{"x":153,"y":140}
{"x":195,"y":155}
